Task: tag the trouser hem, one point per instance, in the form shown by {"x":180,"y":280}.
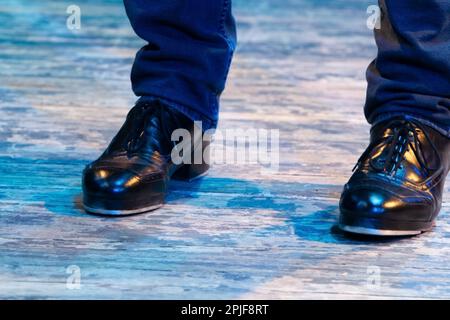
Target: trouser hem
{"x":388,"y":116}
{"x":207,"y":123}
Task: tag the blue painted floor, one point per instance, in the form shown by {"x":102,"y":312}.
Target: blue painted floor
{"x":299,"y":68}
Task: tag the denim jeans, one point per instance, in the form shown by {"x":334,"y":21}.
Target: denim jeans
{"x":411,"y":74}
{"x":188,"y":55}
{"x":191,"y":43}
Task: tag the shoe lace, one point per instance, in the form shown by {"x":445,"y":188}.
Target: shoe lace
{"x":404,"y":136}
{"x":141,"y":127}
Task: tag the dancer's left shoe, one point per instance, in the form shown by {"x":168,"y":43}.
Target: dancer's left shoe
{"x":397,"y":187}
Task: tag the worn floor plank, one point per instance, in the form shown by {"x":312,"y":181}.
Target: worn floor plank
{"x":236,"y":234}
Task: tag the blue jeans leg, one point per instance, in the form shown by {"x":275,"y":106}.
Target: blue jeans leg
{"x":411,"y":74}
{"x":188,"y":55}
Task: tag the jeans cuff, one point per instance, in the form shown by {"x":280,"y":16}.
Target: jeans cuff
{"x":207,"y":123}
{"x":388,"y":116}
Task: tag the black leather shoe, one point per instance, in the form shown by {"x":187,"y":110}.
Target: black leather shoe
{"x":132,"y":175}
{"x":397,"y":186}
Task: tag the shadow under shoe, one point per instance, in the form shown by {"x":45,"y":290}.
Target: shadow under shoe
{"x":133,"y":173}
{"x":397,"y":186}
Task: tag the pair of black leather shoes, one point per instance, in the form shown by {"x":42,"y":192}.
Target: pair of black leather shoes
{"x":396,"y":188}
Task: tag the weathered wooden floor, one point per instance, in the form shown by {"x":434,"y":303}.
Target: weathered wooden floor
{"x":299,"y":68}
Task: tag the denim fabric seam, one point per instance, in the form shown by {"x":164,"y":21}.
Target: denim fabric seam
{"x":214,"y":96}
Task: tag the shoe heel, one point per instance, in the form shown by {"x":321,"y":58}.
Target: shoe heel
{"x":190,"y":172}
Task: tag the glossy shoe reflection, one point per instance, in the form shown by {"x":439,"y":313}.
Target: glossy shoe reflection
{"x":132,"y":175}
{"x":397,"y":186}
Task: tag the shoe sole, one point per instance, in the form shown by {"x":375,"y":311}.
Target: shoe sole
{"x":379,"y":232}
{"x":386,"y":228}
{"x":121,"y":213}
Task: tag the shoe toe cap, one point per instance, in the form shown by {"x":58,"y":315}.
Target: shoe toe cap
{"x":368,"y":201}
{"x":109,"y":181}
{"x":380,"y":202}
